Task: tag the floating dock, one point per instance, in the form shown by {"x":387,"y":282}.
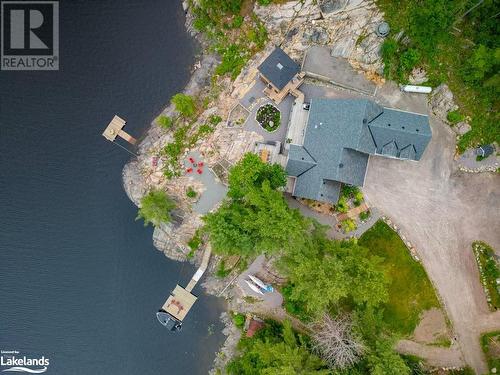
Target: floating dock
{"x":180,"y":301}
{"x":115,"y":129}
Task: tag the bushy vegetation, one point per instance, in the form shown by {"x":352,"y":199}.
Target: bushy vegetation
{"x":236,"y":33}
{"x":293,"y":306}
{"x":190,"y":193}
{"x":324,"y":276}
{"x":365,"y":215}
{"x":222,"y":271}
{"x":454,"y":117}
{"x":460,"y":49}
{"x":489,"y":272}
{"x":348,"y":225}
{"x":184,"y":104}
{"x":166,"y":122}
{"x":490,"y":343}
{"x":269,"y":117}
{"x":155,"y":208}
{"x":276,"y":349}
{"x":195,"y":242}
{"x":255,"y":218}
{"x":239,"y":320}
{"x":184,"y":137}
{"x":330,"y":274}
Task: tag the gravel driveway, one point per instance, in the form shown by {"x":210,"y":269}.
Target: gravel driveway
{"x":443,"y":211}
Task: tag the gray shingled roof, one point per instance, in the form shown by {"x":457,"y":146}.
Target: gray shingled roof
{"x":341,"y":134}
{"x":279,"y":68}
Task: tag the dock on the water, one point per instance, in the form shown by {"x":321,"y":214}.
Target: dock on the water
{"x":181,"y":299}
{"x":179,"y":303}
{"x":115,"y":129}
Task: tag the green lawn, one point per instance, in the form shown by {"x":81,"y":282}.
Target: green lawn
{"x":410,"y":291}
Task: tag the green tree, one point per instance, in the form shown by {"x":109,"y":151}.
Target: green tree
{"x":430,"y":22}
{"x":184,"y":104}
{"x":280,"y":351}
{"x":383,"y":360}
{"x":260,"y":222}
{"x":251,"y":172}
{"x":326,"y":273}
{"x":155,"y":208}
{"x":480,"y":64}
{"x":380,"y":357}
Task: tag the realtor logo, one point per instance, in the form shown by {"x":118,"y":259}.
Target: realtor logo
{"x":30,"y":35}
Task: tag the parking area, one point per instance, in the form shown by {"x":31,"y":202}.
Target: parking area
{"x":319,"y":64}
{"x":443,"y":211}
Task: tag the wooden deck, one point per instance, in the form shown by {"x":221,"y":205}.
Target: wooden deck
{"x":290,"y":88}
{"x":179,"y":303}
{"x":115,"y":129}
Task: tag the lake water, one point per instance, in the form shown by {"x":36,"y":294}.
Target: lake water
{"x":80,"y":281}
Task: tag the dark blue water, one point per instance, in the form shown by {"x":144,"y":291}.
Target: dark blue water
{"x":80,"y":281}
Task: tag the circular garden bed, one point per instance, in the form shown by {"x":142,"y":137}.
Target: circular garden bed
{"x":269,"y":117}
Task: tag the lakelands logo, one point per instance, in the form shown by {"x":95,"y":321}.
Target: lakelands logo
{"x":30,"y":35}
{"x":11,"y":361}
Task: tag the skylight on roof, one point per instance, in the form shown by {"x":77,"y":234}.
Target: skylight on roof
{"x":279,"y":66}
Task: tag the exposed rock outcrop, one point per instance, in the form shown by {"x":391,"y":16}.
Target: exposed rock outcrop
{"x":349,"y":30}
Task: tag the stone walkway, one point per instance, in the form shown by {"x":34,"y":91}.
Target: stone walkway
{"x":443,"y":210}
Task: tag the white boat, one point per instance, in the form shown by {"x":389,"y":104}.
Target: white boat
{"x":254,"y":287}
{"x":258,"y":282}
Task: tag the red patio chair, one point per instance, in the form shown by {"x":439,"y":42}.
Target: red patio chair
{"x":189,"y":170}
{"x":199,"y":171}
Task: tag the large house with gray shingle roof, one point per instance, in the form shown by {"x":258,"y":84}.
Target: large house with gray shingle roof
{"x":339,"y":137}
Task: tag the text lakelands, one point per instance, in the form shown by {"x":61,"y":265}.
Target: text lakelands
{"x":23,"y":361}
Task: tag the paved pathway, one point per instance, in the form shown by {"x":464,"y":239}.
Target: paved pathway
{"x":443,"y":210}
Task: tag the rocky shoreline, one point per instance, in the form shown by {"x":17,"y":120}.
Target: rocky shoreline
{"x":295,"y":25}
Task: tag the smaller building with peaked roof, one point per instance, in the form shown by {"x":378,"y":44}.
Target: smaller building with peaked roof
{"x":341,"y":134}
{"x":278,"y":69}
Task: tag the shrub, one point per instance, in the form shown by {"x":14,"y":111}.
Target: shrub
{"x":264,"y":2}
{"x":184,"y":104}
{"x":348,"y":225}
{"x":195,"y":242}
{"x":358,"y":198}
{"x":408,"y":60}
{"x":214,"y":120}
{"x":296,"y":308}
{"x":342,"y":205}
{"x":454,"y":117}
{"x":155,"y":208}
{"x":165,"y":122}
{"x":239,"y":320}
{"x":234,"y":59}
{"x":191,"y":193}
{"x":221,"y":270}
{"x":364,"y":215}
{"x":258,"y":34}
{"x":389,"y":50}
{"x":237,"y":22}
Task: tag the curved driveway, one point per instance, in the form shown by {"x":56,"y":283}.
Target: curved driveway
{"x":443,"y":211}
